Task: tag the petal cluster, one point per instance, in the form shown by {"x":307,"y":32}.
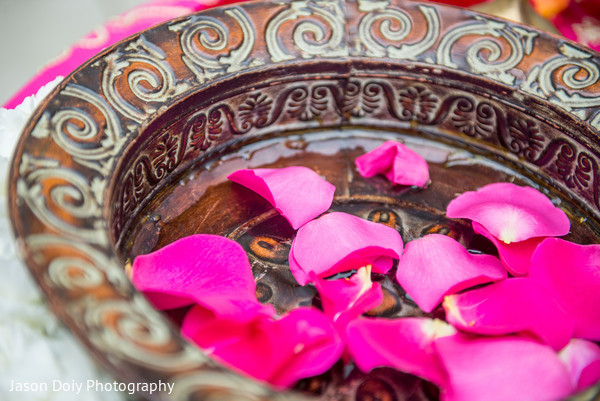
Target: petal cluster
{"x":553,"y":295}
{"x":212,"y":274}
{"x":519,"y":325}
{"x":280,"y":351}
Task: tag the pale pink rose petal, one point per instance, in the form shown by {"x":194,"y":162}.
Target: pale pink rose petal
{"x":338,"y":242}
{"x":344,"y":300}
{"x":397,"y":162}
{"x":572,"y":274}
{"x":436,"y":265}
{"x":297,"y":192}
{"x":501,"y":369}
{"x":301,"y":344}
{"x":511,"y":213}
{"x":210,"y":270}
{"x":582,"y":359}
{"x":516,"y":256}
{"x":405,"y":344}
{"x":517,"y":305}
{"x":378,"y":161}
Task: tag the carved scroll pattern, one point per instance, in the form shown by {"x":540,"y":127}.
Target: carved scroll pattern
{"x":382,"y":24}
{"x":62,"y":199}
{"x":564,"y":79}
{"x":199,"y":46}
{"x":91,"y":133}
{"x":505,"y":47}
{"x":138,"y":79}
{"x":318,"y":29}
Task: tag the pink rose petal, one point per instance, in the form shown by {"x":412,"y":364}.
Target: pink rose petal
{"x":344,"y":300}
{"x":436,"y":265}
{"x":516,"y":256}
{"x":510,"y":306}
{"x":582,"y":359}
{"x":301,"y":344}
{"x":338,"y":242}
{"x":210,"y":331}
{"x":297,"y":192}
{"x":383,"y":263}
{"x":405,"y":344}
{"x":572,"y":274}
{"x":510,"y":213}
{"x":210,"y":270}
{"x":397,"y":162}
{"x":501,"y":369}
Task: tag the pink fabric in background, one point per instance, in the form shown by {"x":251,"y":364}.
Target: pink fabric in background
{"x":116,"y":29}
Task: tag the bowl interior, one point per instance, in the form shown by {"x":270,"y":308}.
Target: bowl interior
{"x":202,"y":200}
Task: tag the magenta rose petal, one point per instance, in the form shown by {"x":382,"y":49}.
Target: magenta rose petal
{"x":501,"y":368}
{"x":515,"y":256}
{"x":436,"y":265}
{"x":243,"y":346}
{"x":518,"y":305}
{"x":572,"y":274}
{"x":382,"y":264}
{"x":405,"y":344}
{"x":510,"y":213}
{"x":297,"y":192}
{"x":344,"y":300}
{"x":582,"y":359}
{"x":589,"y":376}
{"x":400,"y":164}
{"x":210,"y":270}
{"x":338,"y":242}
{"x":312,"y":344}
{"x":301,"y":344}
{"x":209,"y":331}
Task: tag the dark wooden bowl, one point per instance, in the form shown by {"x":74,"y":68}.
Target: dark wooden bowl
{"x":131,"y":151}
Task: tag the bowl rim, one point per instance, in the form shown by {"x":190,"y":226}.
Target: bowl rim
{"x":557,"y":73}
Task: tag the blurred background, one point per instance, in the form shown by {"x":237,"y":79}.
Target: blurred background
{"x":33,"y":32}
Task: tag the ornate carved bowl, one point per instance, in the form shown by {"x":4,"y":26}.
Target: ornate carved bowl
{"x":132,"y":150}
